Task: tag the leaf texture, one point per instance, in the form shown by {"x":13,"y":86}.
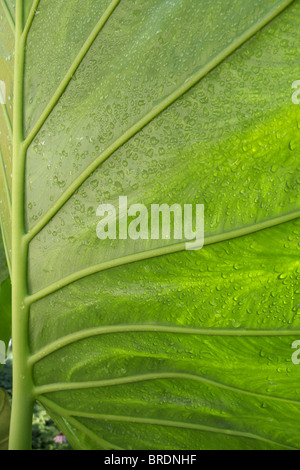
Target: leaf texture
{"x":4,"y":419}
{"x":5,"y":301}
{"x":139,"y":344}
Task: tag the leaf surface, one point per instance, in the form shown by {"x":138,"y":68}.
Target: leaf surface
{"x":5,"y":303}
{"x":4,"y":419}
{"x":139,"y":344}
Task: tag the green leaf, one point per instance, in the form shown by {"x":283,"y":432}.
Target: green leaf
{"x":4,"y":419}
{"x":3,"y":266}
{"x":141,"y":344}
{"x":5,"y":304}
{"x":5,"y":311}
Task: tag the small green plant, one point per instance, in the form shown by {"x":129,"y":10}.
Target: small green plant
{"x":138,"y":343}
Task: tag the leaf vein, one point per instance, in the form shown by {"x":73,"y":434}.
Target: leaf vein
{"x":146,"y":255}
{"x":30,"y":19}
{"x":9,"y":15}
{"x":7,"y":120}
{"x":156,"y":111}
{"x":167,"y":423}
{"x":150,"y":328}
{"x":66,"y":80}
{"x":4,"y":239}
{"x":59,"y":387}
{"x":7,"y":188}
{"x":103,"y":443}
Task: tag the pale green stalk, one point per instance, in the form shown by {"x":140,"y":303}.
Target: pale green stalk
{"x":21,"y":420}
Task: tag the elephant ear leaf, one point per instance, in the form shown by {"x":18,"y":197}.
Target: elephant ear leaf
{"x":138,"y":343}
{"x":4,"y":419}
{"x":5,"y":305}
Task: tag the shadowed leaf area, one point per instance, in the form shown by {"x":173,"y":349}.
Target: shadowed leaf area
{"x":4,"y":419}
{"x":5,"y":305}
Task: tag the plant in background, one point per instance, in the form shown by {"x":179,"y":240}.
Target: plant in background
{"x":4,"y":419}
{"x":60,"y":439}
{"x":138,"y":343}
{"x":5,"y":334}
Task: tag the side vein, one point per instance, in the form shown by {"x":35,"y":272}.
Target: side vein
{"x":66,"y":80}
{"x":150,"y":328}
{"x":8,"y":259}
{"x":9,"y":16}
{"x":59,"y":387}
{"x":156,"y":111}
{"x":48,"y":404}
{"x":7,"y":188}
{"x":7,"y":120}
{"x":142,"y":256}
{"x":30,"y":18}
{"x":101,"y":442}
{"x":164,"y":422}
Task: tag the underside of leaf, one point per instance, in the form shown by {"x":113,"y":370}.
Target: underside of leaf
{"x":140,"y":344}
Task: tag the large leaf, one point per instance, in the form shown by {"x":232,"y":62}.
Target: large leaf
{"x":5,"y":305}
{"x":4,"y":419}
{"x":5,"y":335}
{"x":141,"y":344}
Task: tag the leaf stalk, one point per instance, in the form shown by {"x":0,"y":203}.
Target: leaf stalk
{"x":22,"y":407}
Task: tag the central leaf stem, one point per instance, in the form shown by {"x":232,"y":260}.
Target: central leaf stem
{"x":22,"y":408}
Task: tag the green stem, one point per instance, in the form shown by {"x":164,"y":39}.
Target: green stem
{"x":22,"y":408}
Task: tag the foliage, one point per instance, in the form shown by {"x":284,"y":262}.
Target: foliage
{"x":140,"y":343}
{"x":5,"y":299}
{"x":44,"y":430}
